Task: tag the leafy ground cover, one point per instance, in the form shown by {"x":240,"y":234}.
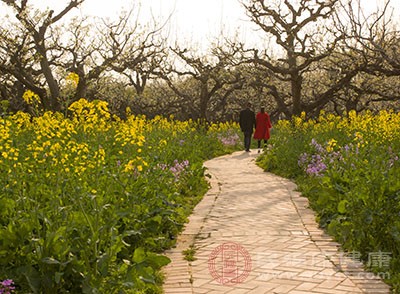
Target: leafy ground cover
{"x":349,"y":169}
{"x":89,"y":202}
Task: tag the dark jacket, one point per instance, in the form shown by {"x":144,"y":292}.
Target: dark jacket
{"x":247,"y":120}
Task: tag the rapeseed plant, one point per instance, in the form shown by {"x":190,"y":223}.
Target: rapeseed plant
{"x":85,"y":202}
{"x":348,"y":167}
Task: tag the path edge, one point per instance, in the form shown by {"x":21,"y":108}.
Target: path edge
{"x":355,"y":270}
{"x":175,"y":281}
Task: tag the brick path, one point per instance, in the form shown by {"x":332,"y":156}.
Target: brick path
{"x":269,"y":222}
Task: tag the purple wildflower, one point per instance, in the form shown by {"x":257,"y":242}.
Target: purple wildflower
{"x":316,"y":168}
{"x":318,"y":147}
{"x":162,"y":166}
{"x":7,"y":287}
{"x":335,"y":156}
{"x":314,"y":165}
{"x":177,"y":168}
{"x":231,"y":140}
{"x":303,"y":159}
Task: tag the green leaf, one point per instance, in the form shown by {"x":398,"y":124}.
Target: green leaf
{"x":57,"y":277}
{"x":50,"y":260}
{"x":146,"y":274}
{"x":148,"y":280}
{"x":139,"y":255}
{"x":157,"y":219}
{"x":103,"y":264}
{"x":342,"y":206}
{"x":129,"y":285}
{"x":132,"y":233}
{"x":157,"y":261}
{"x":32,"y":277}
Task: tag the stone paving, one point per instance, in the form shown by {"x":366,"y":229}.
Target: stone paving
{"x":253,"y":233}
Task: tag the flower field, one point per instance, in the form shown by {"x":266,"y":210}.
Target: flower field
{"x":89,"y":202}
{"x":349,"y":169}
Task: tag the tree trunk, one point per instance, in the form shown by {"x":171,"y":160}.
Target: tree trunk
{"x":296,"y":87}
{"x":52,"y":102}
{"x":53,"y":86}
{"x":295,"y":77}
{"x":204,"y":97}
{"x":81,"y":89}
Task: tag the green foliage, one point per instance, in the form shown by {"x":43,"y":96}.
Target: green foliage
{"x":349,"y":169}
{"x":89,"y":203}
{"x":189,"y":253}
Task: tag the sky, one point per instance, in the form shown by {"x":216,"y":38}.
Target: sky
{"x":196,"y":22}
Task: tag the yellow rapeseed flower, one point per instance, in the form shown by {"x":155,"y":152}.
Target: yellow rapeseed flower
{"x":331,"y":144}
{"x":31,"y":97}
{"x":73,"y":78}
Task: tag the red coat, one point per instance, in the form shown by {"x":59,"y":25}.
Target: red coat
{"x":263,"y":124}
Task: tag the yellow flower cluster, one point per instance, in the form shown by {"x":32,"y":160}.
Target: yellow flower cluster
{"x":57,"y":144}
{"x":223,"y":127}
{"x":72,"y":78}
{"x":7,"y":150}
{"x":89,"y":139}
{"x":94,"y":115}
{"x":135,"y":165}
{"x":31,"y":97}
{"x":129,"y":136}
{"x":130,"y":132}
{"x":331,"y":145}
{"x":380,"y":128}
{"x":167,"y":124}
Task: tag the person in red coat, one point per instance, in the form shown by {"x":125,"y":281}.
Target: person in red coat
{"x":263,"y":124}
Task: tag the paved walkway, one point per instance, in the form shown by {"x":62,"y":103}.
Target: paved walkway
{"x":252,"y":233}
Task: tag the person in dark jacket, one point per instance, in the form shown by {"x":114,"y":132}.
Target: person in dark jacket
{"x":247,"y":122}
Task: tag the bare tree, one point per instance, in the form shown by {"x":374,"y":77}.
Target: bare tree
{"x":143,"y":57}
{"x":375,"y":40}
{"x":35,"y":39}
{"x":94,"y":49}
{"x":300,"y":30}
{"x":202,"y":79}
{"x":374,"y":36}
{"x":39,"y":55}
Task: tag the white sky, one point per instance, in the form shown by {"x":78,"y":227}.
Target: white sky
{"x":196,"y":22}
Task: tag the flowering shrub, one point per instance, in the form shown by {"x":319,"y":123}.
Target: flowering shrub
{"x":85,"y":204}
{"x":349,"y":169}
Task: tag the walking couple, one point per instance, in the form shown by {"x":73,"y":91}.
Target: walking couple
{"x":248,"y":121}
